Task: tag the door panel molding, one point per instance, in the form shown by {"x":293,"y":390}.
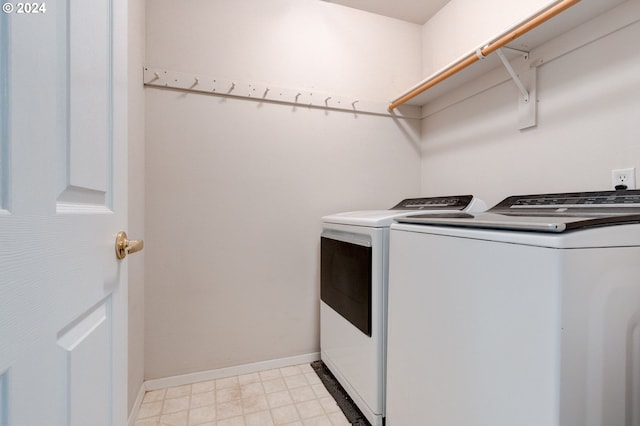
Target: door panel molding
{"x":90,"y":104}
{"x":81,"y":200}
{"x":4,"y":114}
{"x":4,"y":399}
{"x":87,"y":345}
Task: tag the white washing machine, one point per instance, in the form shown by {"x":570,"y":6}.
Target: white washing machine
{"x":354,"y":265}
{"x":526,"y":315}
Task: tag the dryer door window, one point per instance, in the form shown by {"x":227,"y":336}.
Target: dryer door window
{"x":345,"y":280}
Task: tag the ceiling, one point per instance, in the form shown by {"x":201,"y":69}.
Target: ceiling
{"x":417,"y":11}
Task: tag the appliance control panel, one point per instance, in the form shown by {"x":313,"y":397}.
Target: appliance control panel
{"x":455,"y":202}
{"x":600,"y":202}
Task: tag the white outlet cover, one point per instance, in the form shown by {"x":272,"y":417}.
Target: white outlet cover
{"x":624,"y":177}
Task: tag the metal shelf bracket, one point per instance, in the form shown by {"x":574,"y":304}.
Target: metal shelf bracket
{"x":527,"y":108}
{"x":512,"y":73}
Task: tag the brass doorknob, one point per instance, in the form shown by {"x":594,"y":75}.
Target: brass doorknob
{"x":125,"y":246}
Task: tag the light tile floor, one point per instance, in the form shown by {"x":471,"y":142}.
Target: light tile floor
{"x":285,"y":396}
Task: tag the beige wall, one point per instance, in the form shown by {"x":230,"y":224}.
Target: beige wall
{"x":288,"y":43}
{"x":136,"y":197}
{"x":587,"y":123}
{"x":235,"y":189}
{"x":462,"y":26}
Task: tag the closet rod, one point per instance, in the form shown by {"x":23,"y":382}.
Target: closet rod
{"x":488,"y":49}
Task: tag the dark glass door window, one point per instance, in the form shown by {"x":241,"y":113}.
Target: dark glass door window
{"x":345,"y":281}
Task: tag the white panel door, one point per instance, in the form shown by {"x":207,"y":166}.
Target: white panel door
{"x":63,"y":341}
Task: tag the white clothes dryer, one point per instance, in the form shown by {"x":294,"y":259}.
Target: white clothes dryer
{"x":527,"y":315}
{"x":354,"y":265}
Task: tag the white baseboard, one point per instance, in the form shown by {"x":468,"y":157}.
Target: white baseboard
{"x":136,"y":405}
{"x":187,"y":379}
{"x":221,"y":373}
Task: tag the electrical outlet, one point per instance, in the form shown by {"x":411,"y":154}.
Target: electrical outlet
{"x":626,"y":177}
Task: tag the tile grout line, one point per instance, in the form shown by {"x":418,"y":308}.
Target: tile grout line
{"x":189,"y":406}
{"x":265,"y":398}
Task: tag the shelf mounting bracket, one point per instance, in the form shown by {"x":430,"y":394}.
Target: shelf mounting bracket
{"x":512,"y":73}
{"x":527,"y":108}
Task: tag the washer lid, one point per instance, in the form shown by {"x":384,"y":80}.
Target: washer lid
{"x":546,"y":212}
{"x":519,"y":222}
{"x":597,"y":203}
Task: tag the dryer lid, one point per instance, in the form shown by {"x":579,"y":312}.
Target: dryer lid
{"x":384,"y":218}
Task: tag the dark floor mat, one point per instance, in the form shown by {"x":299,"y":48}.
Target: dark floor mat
{"x":346,"y":404}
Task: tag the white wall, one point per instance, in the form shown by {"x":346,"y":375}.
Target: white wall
{"x":464,"y":25}
{"x":136,"y":195}
{"x":236,"y":188}
{"x":588,"y":107}
{"x":300,"y":44}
